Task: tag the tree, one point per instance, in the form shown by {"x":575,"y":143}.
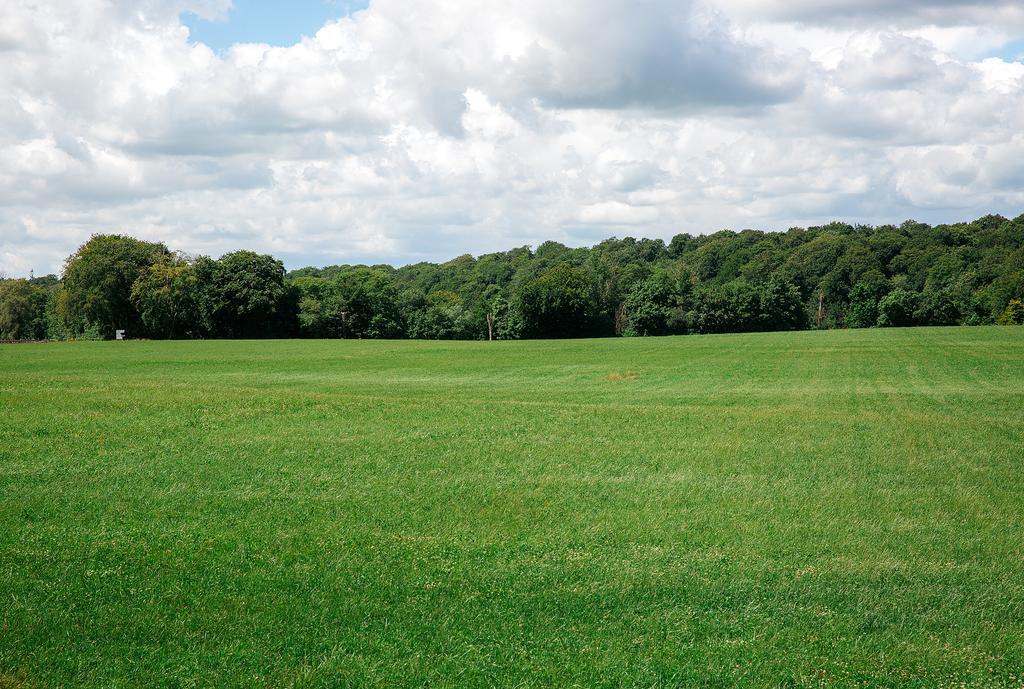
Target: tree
{"x":506,"y":322}
{"x":780,"y":307}
{"x":445,"y":318}
{"x":913,"y":274}
{"x":317,"y":305}
{"x":165,"y":295}
{"x":367,"y":305}
{"x":557,"y":304}
{"x":98,"y":281}
{"x":862,"y":311}
{"x":937,"y":307}
{"x":897,"y":308}
{"x":22,"y":311}
{"x":651,"y":307}
{"x":1014,"y":313}
{"x":247,"y":296}
{"x":733,"y":307}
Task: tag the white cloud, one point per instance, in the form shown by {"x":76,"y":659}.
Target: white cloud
{"x":617,"y":213}
{"x":905,"y":13}
{"x":428,"y":129}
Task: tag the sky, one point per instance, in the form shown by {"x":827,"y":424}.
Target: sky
{"x":265,"y":21}
{"x":396,"y":131}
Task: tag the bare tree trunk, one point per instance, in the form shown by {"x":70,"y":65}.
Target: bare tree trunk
{"x":621,"y":319}
{"x":821,"y":307}
{"x":490,"y":326}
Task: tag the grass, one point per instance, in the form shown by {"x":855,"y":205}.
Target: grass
{"x":832,"y":509}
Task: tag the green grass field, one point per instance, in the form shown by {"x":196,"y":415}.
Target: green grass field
{"x":830,"y":509}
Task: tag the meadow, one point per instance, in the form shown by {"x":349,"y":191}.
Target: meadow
{"x":813,"y":509}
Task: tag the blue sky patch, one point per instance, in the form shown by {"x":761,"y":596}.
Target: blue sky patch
{"x":268,"y":21}
{"x":1011,"y":52}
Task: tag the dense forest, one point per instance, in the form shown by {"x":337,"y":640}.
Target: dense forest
{"x":833,"y":276}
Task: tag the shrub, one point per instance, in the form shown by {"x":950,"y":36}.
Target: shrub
{"x":1013,"y":314}
{"x":897,"y":308}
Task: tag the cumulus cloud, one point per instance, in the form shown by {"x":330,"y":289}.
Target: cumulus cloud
{"x":427,"y":129}
{"x":861,"y":12}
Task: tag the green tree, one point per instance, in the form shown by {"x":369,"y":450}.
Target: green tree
{"x":22,"y":311}
{"x":897,"y":308}
{"x":937,"y":307}
{"x":733,"y":307}
{"x":445,"y":318}
{"x":1013,"y":314}
{"x":98,"y":281}
{"x":246,"y":295}
{"x":557,"y":304}
{"x":165,"y":295}
{"x":780,"y":306}
{"x":862,"y":310}
{"x":505,"y":318}
{"x":652,"y":307}
{"x":367,"y":305}
{"x":317,"y":305}
{"x":722,"y":282}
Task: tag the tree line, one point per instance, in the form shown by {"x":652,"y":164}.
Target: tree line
{"x":831,"y":276}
